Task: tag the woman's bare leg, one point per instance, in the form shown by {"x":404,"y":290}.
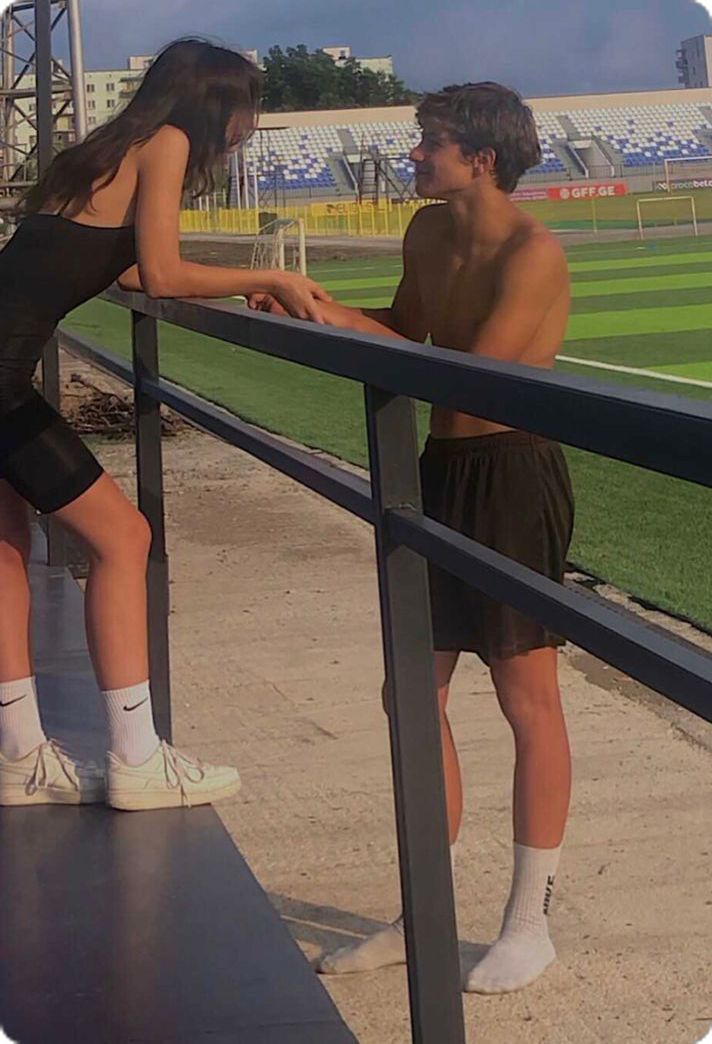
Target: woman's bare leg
{"x":20,"y":726}
{"x":140,"y":774}
{"x":117,"y":538}
{"x":15,"y":652}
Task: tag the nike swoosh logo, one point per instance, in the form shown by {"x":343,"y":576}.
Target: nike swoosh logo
{"x":136,"y":705}
{"x":10,"y":702}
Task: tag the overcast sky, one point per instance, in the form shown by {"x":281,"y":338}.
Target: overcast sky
{"x":539,"y":46}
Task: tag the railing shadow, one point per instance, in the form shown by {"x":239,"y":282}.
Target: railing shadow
{"x":328,"y":927}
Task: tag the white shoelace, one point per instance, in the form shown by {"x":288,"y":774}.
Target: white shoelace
{"x":178,"y":768}
{"x":40,"y":776}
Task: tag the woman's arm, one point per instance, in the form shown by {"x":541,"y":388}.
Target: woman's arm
{"x":161,"y":272}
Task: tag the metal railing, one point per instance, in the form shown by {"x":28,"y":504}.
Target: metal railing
{"x":658,"y":432}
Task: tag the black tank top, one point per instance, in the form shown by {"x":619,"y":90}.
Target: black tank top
{"x":51,"y":265}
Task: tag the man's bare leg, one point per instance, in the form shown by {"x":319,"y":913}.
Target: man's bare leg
{"x":528,"y":693}
{"x":387,"y":947}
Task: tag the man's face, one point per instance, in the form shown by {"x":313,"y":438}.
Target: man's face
{"x":441,"y":168}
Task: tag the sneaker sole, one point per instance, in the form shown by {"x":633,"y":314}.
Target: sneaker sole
{"x":142,"y":801}
{"x":10,"y":795}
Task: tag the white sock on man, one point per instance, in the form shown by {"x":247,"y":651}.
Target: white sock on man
{"x":132,"y":734}
{"x":523,"y":949}
{"x":379,"y":950}
{"x":20,"y":726}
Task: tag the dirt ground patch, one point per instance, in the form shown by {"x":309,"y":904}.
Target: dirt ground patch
{"x":237,"y":250}
{"x":276,"y":667}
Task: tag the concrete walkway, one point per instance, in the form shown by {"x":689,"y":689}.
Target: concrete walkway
{"x":276,"y":667}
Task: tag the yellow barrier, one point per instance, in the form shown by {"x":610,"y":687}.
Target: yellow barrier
{"x":391,"y":219}
{"x":321,"y":219}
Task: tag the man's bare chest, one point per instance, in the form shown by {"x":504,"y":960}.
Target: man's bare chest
{"x":457,"y":298}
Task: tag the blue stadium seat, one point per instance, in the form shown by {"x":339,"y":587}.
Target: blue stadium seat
{"x":647,"y":135}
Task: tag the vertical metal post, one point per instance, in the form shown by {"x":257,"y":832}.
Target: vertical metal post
{"x":236,"y":176}
{"x":426,"y":879}
{"x":76,"y":52}
{"x":43,"y":82}
{"x":245,"y":180}
{"x":56,"y":538}
{"x":7,"y":123}
{"x":302,"y":246}
{"x":281,"y":249}
{"x":149,"y":469}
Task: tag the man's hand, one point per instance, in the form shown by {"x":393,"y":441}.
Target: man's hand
{"x":265,"y":303}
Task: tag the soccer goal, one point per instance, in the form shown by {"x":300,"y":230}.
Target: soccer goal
{"x":281,"y":243}
{"x":688,"y":172}
{"x":685,"y":214}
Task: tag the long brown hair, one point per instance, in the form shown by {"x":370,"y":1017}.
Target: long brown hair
{"x":192,"y":84}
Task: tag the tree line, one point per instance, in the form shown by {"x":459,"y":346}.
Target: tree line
{"x":297,"y":79}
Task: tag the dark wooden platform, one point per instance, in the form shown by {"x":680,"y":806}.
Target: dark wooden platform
{"x":135,"y":928}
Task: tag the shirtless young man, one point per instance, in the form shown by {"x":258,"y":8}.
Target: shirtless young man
{"x":483,"y":277}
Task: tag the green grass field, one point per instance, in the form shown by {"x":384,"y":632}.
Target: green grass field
{"x":620,"y":212}
{"x":642,"y":309}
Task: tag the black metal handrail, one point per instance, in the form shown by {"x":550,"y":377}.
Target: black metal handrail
{"x":659,"y":432}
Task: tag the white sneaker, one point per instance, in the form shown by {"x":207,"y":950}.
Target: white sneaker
{"x":169,"y":779}
{"x":49,"y":775}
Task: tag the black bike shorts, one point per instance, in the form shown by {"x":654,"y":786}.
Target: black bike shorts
{"x":42,"y":458}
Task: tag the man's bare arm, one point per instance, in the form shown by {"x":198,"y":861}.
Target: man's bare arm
{"x":531,"y":281}
{"x":406,"y":316}
{"x":384,"y":316}
{"x":358,"y":319}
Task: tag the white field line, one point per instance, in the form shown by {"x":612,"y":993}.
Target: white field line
{"x":651,"y":374}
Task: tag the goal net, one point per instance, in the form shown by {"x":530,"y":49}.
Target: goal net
{"x":690,"y":172}
{"x":281,"y":243}
{"x":667,"y":211}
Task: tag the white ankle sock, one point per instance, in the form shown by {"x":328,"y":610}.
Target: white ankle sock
{"x":523,"y":949}
{"x":20,"y":726}
{"x":380,"y":950}
{"x":132,"y":734}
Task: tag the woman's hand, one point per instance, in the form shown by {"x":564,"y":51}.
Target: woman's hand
{"x":297,"y":295}
{"x":332,"y":313}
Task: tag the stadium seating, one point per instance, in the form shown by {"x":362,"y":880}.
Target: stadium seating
{"x":298,"y":158}
{"x":394,"y":140}
{"x":646,"y":135}
{"x":549,"y":130}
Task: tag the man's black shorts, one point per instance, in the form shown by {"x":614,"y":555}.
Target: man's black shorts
{"x":512,"y":492}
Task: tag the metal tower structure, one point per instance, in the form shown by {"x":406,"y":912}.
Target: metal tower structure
{"x":39,"y":94}
{"x":42,"y":98}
